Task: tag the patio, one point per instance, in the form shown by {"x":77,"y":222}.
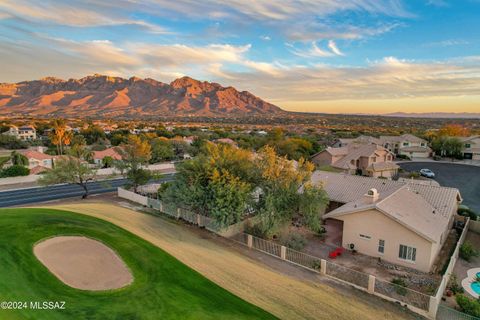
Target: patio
{"x":321,"y":246}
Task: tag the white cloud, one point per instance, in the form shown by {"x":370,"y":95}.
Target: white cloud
{"x":333,"y":46}
{"x":266,"y":38}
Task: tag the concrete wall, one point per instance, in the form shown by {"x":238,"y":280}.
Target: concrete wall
{"x":474,"y":226}
{"x":21,"y":179}
{"x":132,"y":196}
{"x":378,"y":226}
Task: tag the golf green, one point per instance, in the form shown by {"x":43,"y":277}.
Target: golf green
{"x":163,"y":287}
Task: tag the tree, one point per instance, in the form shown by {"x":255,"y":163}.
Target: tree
{"x":18,"y":159}
{"x":229,"y":197}
{"x":135,"y":153}
{"x":454,"y":130}
{"x":162,"y":149}
{"x":60,"y":136}
{"x":453,"y":147}
{"x":69,"y":169}
{"x":11,"y":142}
{"x":79,"y":149}
{"x":223,"y":182}
{"x":93,"y":134}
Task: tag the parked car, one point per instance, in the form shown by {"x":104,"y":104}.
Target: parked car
{"x":427,"y":173}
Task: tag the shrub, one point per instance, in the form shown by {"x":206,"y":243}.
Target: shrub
{"x":414,"y":175}
{"x":468,"y":251}
{"x":437,"y":158}
{"x":469,"y":306}
{"x":316,"y":265}
{"x":14,"y":171}
{"x":467,"y":212}
{"x":402,"y":156}
{"x":295,"y":241}
{"x":401,"y":286}
{"x":454,"y":286}
{"x":256,"y":230}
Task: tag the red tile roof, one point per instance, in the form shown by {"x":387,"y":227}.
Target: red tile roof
{"x":32,"y":154}
{"x":110,"y":152}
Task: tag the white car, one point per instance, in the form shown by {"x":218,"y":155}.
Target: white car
{"x":427,"y":173}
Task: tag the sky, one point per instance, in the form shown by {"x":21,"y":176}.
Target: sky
{"x":333,"y":56}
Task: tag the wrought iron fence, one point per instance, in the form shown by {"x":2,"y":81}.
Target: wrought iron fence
{"x":346,"y":274}
{"x":446,"y":313}
{"x":403,"y":294}
{"x":303,"y":259}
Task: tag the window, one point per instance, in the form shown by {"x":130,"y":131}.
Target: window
{"x":423,"y":144}
{"x":365,"y":237}
{"x":407,"y":253}
{"x":467,"y":145}
{"x":381,"y":246}
{"x":405,"y":144}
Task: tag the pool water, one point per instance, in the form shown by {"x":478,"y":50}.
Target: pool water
{"x":476,"y":285}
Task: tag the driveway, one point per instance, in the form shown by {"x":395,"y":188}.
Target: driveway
{"x":463,"y":177}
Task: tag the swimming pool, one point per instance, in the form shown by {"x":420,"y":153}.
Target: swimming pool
{"x":476,"y":285}
{"x":471,"y":287}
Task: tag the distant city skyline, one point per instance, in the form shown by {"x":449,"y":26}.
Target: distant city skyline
{"x":350,"y":56}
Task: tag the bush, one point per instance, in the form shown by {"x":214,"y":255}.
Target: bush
{"x":467,"y":212}
{"x":402,"y":156}
{"x":10,"y":142}
{"x":14,"y":171}
{"x":401,"y":286}
{"x":454,"y":286}
{"x":414,"y":175}
{"x":469,"y":306}
{"x":256,"y":230}
{"x":437,"y":158}
{"x":468,"y":251}
{"x":295,"y":241}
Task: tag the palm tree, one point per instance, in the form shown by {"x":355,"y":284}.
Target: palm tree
{"x":60,"y":136}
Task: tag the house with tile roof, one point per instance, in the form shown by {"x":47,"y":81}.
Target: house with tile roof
{"x":404,"y":223}
{"x":471,"y":147}
{"x":98,"y":156}
{"x":407,"y":145}
{"x":366,"y":159}
{"x":39,"y":160}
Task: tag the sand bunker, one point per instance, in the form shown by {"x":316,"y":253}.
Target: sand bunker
{"x":83,"y":263}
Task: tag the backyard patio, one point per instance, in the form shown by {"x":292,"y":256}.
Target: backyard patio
{"x":322,"y":246}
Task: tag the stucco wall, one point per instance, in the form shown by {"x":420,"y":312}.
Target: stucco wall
{"x":378,"y":226}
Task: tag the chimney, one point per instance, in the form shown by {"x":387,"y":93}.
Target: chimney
{"x":371,"y":196}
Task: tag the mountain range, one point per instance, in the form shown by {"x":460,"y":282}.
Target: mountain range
{"x":115,"y":97}
{"x":436,"y":115}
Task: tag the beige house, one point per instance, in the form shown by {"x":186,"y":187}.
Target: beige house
{"x":471,"y":147}
{"x":407,"y":145}
{"x":38,"y":161}
{"x":24,"y":133}
{"x":366,"y":159}
{"x":402,"y":223}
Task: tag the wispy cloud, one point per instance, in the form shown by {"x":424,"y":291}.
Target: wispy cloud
{"x":448,"y":43}
{"x":333,"y":46}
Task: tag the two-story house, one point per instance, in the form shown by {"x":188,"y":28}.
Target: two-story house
{"x":407,"y":145}
{"x":471,"y":147}
{"x":365,"y":159}
{"x":24,"y":133}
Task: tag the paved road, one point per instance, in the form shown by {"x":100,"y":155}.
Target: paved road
{"x":463,"y":177}
{"x":41,"y":194}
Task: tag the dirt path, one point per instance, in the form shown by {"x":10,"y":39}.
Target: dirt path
{"x":289,"y":297}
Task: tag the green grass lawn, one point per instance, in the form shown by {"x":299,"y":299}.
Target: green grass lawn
{"x":163,"y":287}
